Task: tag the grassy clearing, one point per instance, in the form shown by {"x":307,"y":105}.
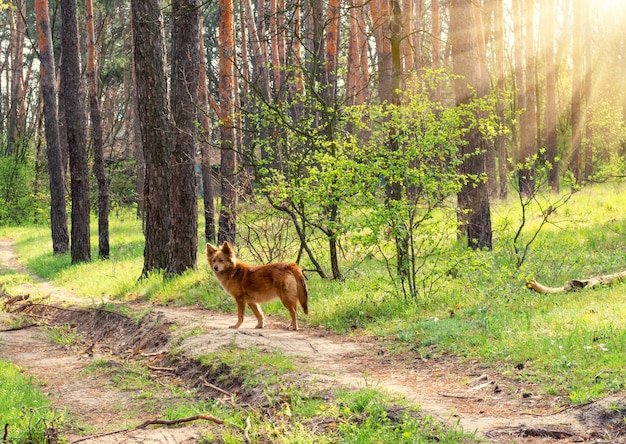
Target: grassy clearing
{"x":24,"y":409}
{"x":570,"y":344}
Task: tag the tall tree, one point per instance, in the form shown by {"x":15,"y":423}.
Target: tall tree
{"x":588,"y":93}
{"x":525,"y":103}
{"x":380,"y":12}
{"x":578,"y":69}
{"x":473,"y":199}
{"x":357,"y":75}
{"x":436,"y":43}
{"x":153,"y":113}
{"x":204,"y":139}
{"x":18,"y":33}
{"x":547,"y":30}
{"x":498,"y":12}
{"x":58,"y":212}
{"x":529,"y":119}
{"x":228,"y":165}
{"x":98,"y":142}
{"x":75,"y":130}
{"x":184,"y":98}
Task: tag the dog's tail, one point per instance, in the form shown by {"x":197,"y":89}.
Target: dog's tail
{"x":303,"y":292}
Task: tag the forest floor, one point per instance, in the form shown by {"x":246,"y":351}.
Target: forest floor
{"x":500,"y":409}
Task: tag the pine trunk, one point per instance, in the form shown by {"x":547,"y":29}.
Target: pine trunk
{"x":473,"y":199}
{"x":228,"y":166}
{"x":96,"y":123}
{"x":184,"y":99}
{"x":153,"y":113}
{"x":58,"y":212}
{"x":75,"y":130}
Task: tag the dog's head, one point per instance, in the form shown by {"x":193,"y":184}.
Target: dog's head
{"x":221,"y":259}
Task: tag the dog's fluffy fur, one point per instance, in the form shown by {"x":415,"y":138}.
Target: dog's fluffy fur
{"x":253,"y":285}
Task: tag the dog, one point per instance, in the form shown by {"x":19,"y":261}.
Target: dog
{"x":253,"y":285}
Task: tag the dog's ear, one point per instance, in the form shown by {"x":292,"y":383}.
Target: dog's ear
{"x":210,"y":251}
{"x":227,"y":249}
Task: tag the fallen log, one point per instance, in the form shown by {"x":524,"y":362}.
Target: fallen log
{"x":578,"y":284}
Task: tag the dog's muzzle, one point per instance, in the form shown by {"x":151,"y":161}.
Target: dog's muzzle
{"x":215,"y":268}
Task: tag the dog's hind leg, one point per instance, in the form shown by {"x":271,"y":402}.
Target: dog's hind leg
{"x":256,"y":309}
{"x":293,"y":312}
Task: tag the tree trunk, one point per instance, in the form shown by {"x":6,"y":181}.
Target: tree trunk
{"x":155,"y":131}
{"x":547,"y":26}
{"x":526,"y":138}
{"x":357,"y":75}
{"x":58,"y":212}
{"x":380,"y":13}
{"x":436,"y":44}
{"x":473,"y":199}
{"x":184,"y":99}
{"x":227,"y":219}
{"x":75,"y":130}
{"x":481,"y":46}
{"x":500,"y":60}
{"x":17,"y":88}
{"x":529,"y":119}
{"x":204,"y":140}
{"x":578,"y":69}
{"x":587,"y":38}
{"x":98,"y":149}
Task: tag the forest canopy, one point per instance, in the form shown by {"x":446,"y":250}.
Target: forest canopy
{"x":400,"y":111}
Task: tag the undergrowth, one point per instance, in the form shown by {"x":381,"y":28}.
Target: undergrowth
{"x":24,"y":411}
{"x":570,"y":345}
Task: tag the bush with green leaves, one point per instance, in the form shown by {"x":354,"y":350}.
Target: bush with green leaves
{"x":23,"y":190}
{"x":414,"y":148}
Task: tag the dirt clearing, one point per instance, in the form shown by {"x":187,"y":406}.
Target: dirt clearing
{"x":499,"y":409}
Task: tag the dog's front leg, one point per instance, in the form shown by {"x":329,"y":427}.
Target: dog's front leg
{"x":241,"y":306}
{"x":256,"y":309}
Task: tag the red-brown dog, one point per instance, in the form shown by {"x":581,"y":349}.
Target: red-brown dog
{"x":253,"y":285}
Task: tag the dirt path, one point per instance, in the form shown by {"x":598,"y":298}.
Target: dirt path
{"x":500,"y":409}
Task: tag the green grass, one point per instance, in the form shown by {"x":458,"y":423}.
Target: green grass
{"x":24,"y":409}
{"x":570,"y":345}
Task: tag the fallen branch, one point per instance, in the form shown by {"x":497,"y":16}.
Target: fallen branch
{"x":169,"y":422}
{"x":15,"y":299}
{"x":216,"y":388}
{"x":145,"y":424}
{"x":578,"y":284}
{"x":21,"y":327}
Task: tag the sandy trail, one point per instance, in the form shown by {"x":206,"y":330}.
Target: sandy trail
{"x":453,"y":391}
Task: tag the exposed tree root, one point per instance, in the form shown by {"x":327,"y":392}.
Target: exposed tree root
{"x":524,"y":432}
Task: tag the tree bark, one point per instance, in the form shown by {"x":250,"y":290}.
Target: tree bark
{"x":473,"y":199}
{"x":96,"y":123}
{"x":228,"y":166}
{"x":17,"y":88}
{"x":75,"y":130}
{"x":149,"y":47}
{"x":588,"y":93}
{"x":578,"y":68}
{"x":184,"y":98}
{"x":500,"y":60}
{"x":58,"y":212}
{"x":204,"y":140}
{"x":547,"y":27}
{"x":357,"y":76}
